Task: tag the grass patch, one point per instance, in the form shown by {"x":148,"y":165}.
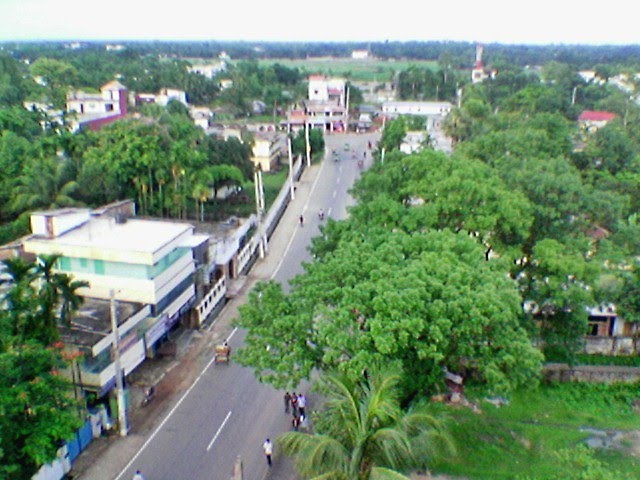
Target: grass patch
{"x":522,"y":440}
{"x":273,"y":182}
{"x":372,"y":70}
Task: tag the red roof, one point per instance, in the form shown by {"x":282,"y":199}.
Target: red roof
{"x":596,"y":116}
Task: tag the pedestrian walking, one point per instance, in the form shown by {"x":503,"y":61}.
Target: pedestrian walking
{"x":301,"y":220}
{"x":287,"y":402}
{"x":302,"y":403}
{"x":267,"y":446}
{"x":295,"y":422}
{"x":138,"y":475}
{"x":294,"y":403}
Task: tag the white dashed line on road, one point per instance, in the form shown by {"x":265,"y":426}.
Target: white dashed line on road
{"x":224,"y":422}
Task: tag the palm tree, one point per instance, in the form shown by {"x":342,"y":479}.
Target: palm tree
{"x":44,"y":184}
{"x":17,"y":277}
{"x":363,"y":433}
{"x":38,"y":298}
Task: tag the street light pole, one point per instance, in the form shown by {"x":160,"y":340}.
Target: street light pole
{"x":291,"y":189}
{"x":257,"y":175}
{"x":308,"y":145}
{"x":122,"y":411}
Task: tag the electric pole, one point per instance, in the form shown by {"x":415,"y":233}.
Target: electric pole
{"x":122,"y":409}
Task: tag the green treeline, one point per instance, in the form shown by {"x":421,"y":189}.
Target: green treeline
{"x":469,"y":262}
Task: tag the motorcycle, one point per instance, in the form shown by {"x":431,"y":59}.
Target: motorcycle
{"x":149,"y":393}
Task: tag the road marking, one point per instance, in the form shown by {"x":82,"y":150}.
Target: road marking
{"x":304,"y":209}
{"x":215,"y":437}
{"x":171,"y":412}
{"x":233,"y":332}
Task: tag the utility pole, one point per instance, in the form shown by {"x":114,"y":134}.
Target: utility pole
{"x":291,"y":189}
{"x":122,"y":411}
{"x":257,"y":178}
{"x":346,"y":112}
{"x":308,"y":145}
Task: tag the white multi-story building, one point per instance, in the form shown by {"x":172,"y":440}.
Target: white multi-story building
{"x":147,"y":266}
{"x":94,"y":110}
{"x":324,"y":89}
{"x":426,"y":109}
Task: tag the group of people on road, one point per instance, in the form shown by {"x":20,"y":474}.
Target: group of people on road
{"x":296,"y":404}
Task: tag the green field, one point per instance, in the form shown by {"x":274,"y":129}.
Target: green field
{"x":540,"y":434}
{"x":357,"y":70}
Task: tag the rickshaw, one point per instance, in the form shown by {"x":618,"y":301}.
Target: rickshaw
{"x":222,"y":353}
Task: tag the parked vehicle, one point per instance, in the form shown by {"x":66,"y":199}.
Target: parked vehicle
{"x":149,"y":393}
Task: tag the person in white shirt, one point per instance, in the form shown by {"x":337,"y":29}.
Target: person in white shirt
{"x":302,"y":403}
{"x":138,"y":475}
{"x":267,"y":446}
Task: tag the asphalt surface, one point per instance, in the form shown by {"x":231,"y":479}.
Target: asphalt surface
{"x":205,"y":415}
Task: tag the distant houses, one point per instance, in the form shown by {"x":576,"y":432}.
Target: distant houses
{"x":325,"y":108}
{"x":592,"y":120}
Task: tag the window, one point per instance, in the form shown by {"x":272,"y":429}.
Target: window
{"x":98,"y":267}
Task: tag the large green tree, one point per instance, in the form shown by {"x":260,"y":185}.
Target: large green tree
{"x":36,"y":405}
{"x":428,"y":300}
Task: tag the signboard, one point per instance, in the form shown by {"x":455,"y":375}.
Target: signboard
{"x":156,"y":331}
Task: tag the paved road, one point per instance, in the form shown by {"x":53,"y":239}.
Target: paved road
{"x":226,"y":412}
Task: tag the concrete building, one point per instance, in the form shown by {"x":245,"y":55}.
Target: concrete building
{"x":360,"y":54}
{"x":325,"y":108}
{"x":267,"y":149}
{"x":426,"y":109}
{"x":162,"y":98}
{"x":479,"y":73}
{"x":592,"y":120}
{"x":93,"y":110}
{"x":146,"y":266}
{"x":327,"y":90}
{"x":414,"y":141}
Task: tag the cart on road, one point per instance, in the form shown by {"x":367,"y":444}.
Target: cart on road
{"x":222,"y":354}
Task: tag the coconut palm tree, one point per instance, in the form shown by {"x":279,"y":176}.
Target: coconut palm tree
{"x":44,"y":184}
{"x":38,"y":298}
{"x":58,"y":294}
{"x":363,"y":433}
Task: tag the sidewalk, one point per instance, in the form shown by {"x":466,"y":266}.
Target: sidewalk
{"x":106,"y":456}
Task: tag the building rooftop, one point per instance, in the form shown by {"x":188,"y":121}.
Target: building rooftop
{"x":93,"y":321}
{"x":130,"y":235}
{"x":596,"y":116}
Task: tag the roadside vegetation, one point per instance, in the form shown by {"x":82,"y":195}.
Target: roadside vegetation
{"x":428,"y":274}
{"x":542,"y":433}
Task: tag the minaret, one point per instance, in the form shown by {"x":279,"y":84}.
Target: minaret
{"x":479,"y":50}
{"x":477,"y":72}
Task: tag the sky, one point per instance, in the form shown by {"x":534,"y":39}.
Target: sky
{"x":542,"y":22}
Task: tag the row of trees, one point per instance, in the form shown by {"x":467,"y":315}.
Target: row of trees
{"x":579,"y":56}
{"x":163,"y":161}
{"x":37,"y":405}
{"x":436,"y":261}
